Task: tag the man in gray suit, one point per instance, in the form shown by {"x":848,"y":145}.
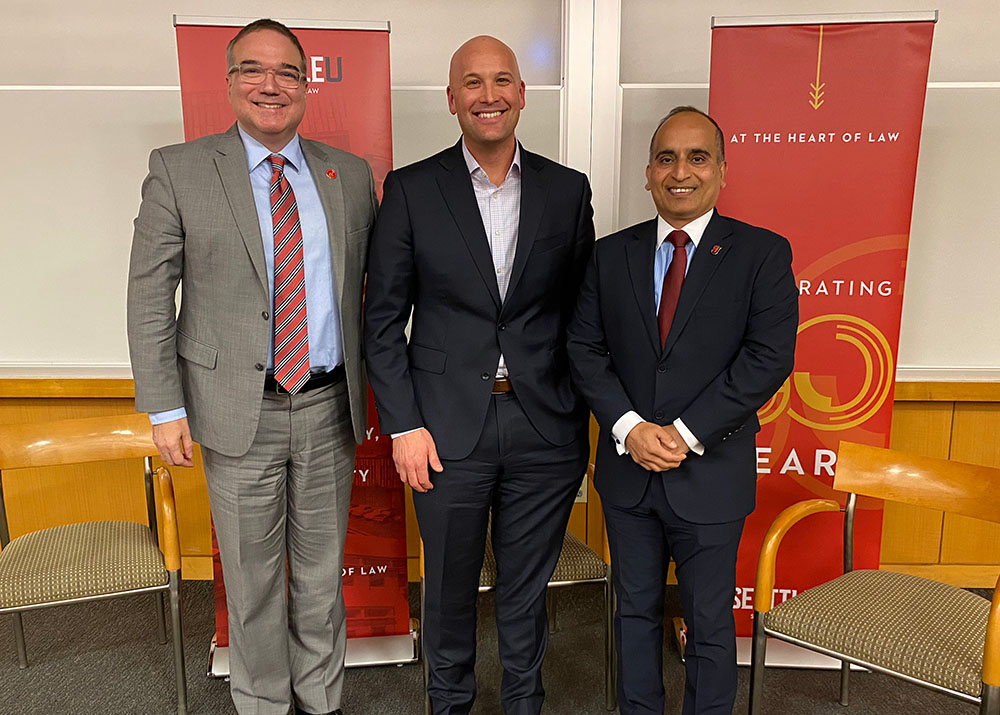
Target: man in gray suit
{"x":267,"y":234}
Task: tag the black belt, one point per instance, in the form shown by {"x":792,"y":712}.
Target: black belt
{"x":316,"y":380}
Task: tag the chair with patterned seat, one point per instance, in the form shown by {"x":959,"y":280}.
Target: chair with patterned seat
{"x":919,"y":630}
{"x":93,"y":560}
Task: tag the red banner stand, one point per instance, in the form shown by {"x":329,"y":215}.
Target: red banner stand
{"x":822,"y":119}
{"x":348,"y":107}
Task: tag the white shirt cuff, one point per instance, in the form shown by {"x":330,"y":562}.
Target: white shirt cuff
{"x":692,"y":442}
{"x":400,"y":434}
{"x":622,"y":427}
{"x":159,"y":418}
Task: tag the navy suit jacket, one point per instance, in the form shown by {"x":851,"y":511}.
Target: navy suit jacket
{"x":731,"y":345}
{"x":429,"y":252}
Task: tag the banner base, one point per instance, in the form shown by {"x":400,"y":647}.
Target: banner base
{"x":780,"y":654}
{"x":374,"y":650}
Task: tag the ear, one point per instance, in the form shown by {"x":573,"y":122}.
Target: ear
{"x":723,"y":167}
{"x":647,"y":187}
{"x":451,"y":100}
{"x":521,"y":94}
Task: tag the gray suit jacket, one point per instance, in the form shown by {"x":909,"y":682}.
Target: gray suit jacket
{"x":197,"y":225}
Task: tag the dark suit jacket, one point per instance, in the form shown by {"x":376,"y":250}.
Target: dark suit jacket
{"x":730,"y":347}
{"x":430,"y":252}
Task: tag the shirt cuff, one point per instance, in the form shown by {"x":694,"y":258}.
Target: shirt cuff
{"x":625,"y":424}
{"x":400,"y":434}
{"x":686,"y":434}
{"x":159,"y":418}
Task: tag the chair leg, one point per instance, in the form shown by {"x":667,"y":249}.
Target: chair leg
{"x":175,"y":622}
{"x":845,"y":676}
{"x":990,"y":704}
{"x":758,"y":652}
{"x":22,"y":651}
{"x":610,"y":662}
{"x":550,"y":607}
{"x":159,"y":606}
{"x":423,"y":649}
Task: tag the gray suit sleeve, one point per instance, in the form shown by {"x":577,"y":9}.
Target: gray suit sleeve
{"x":155,"y":268}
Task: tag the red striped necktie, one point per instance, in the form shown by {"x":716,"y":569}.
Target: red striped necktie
{"x":291,"y":334}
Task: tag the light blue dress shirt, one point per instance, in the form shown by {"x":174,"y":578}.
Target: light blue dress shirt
{"x":322,"y":314}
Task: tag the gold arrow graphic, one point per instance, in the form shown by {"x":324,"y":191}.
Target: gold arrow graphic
{"x":816,"y":95}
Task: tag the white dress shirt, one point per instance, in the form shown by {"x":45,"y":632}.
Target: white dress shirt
{"x":664,"y":252}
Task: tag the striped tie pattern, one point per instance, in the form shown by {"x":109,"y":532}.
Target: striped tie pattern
{"x":291,"y":334}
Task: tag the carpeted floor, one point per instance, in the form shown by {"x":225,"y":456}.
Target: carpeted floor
{"x":104,"y":658}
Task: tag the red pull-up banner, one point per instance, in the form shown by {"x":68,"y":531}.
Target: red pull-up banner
{"x":347,"y":107}
{"x":822,"y":126}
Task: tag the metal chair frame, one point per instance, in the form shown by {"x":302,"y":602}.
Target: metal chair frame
{"x":989,"y":701}
{"x":132,"y":439}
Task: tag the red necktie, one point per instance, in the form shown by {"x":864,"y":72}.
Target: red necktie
{"x":291,"y":334}
{"x":672,"y":280}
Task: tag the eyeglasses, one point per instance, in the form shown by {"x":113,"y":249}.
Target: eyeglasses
{"x":287,"y":77}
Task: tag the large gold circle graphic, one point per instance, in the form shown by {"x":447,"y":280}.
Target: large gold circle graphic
{"x":879,"y":366}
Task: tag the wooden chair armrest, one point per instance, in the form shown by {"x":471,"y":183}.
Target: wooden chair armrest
{"x":168,"y":521}
{"x":991,"y":652}
{"x":764,"y":586}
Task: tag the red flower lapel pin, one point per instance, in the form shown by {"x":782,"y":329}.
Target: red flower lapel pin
{"x":331,"y":173}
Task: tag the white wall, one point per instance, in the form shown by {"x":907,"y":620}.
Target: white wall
{"x":91,"y":87}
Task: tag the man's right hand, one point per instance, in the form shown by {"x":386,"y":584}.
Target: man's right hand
{"x":652,"y":448}
{"x":412,"y":452}
{"x":173,"y":441}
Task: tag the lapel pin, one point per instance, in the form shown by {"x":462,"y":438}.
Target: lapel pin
{"x":331,"y":173}
{"x":715,"y":249}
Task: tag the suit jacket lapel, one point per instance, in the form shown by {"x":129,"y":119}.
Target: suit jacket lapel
{"x":331,"y":195}
{"x":456,"y":188}
{"x":231,"y":163}
{"x":707,"y":258}
{"x":534,"y":192}
{"x":639,"y":251}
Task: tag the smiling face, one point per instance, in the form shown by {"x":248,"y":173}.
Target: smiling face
{"x":686,"y":171}
{"x":485,"y":91}
{"x":267,"y":112}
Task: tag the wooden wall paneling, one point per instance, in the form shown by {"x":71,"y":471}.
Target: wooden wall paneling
{"x":975,"y":440}
{"x":912,"y":534}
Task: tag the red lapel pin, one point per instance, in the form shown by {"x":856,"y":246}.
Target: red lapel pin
{"x":331,"y":173}
{"x":715,"y":249}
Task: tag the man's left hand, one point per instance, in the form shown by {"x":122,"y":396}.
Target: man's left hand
{"x":678,"y":443}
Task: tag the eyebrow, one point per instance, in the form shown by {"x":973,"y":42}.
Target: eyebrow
{"x":477,"y":75}
{"x":671,"y":152}
{"x":283,"y":65}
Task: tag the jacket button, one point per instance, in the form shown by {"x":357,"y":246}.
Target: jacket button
{"x":502,"y":326}
{"x":265,"y":315}
{"x":259,"y":367}
{"x":658,"y":415}
{"x":485,"y":376}
{"x":661,"y":368}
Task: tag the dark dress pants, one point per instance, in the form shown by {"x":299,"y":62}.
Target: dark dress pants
{"x":528,"y":486}
{"x":642,"y":540}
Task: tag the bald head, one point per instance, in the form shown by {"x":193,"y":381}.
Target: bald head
{"x":486,"y":93}
{"x":477,"y":46}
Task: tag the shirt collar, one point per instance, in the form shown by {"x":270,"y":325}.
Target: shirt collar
{"x":257,"y":152}
{"x":695,"y":229}
{"x":472,"y":164}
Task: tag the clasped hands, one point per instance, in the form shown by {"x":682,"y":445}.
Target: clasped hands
{"x":656,"y":448}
